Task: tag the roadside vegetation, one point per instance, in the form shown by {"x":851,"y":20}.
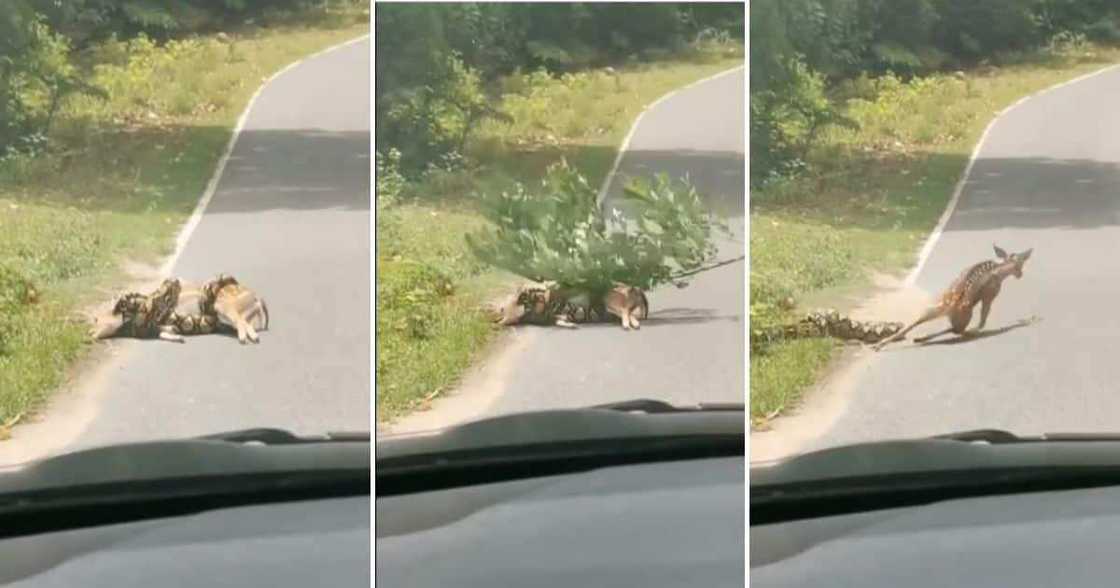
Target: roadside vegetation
{"x":863,"y":118}
{"x":475,"y":98}
{"x":112,"y":117}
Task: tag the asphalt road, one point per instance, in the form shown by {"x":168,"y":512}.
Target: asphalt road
{"x":1047,"y":177}
{"x":691,"y":348}
{"x":290,"y":218}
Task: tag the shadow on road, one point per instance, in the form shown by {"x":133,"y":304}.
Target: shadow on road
{"x":673,"y":316}
{"x":981,"y":335}
{"x":1037,"y":193}
{"x":1002,"y":193}
{"x":686,"y":316}
{"x":710,"y":172}
{"x":284,"y":169}
{"x":304,"y":169}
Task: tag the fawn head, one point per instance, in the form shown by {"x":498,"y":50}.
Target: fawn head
{"x":1014,"y":261}
{"x":107,"y":323}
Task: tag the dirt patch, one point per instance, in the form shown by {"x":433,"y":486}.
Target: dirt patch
{"x":892,"y":300}
{"x":823,"y":404}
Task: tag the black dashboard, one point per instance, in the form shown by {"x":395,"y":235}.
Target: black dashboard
{"x":296,"y":544}
{"x":675,"y":523}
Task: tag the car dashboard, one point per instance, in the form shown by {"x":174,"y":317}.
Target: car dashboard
{"x":671,"y":523}
{"x":298,"y":544}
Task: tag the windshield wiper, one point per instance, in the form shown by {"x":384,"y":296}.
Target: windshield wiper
{"x":650,"y":406}
{"x":787,"y":502}
{"x":219,"y":456}
{"x":266,"y":436}
{"x":50,"y":509}
{"x":907,"y":472}
{"x":553,"y":442}
{"x":993,"y":436}
{"x":137,"y":481}
{"x":999,"y":436}
{"x":451,"y":469}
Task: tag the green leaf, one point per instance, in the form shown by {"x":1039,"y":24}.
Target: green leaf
{"x":559,"y":232}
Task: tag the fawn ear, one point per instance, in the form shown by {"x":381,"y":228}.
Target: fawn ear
{"x":1026,"y":254}
{"x":1000,"y":253}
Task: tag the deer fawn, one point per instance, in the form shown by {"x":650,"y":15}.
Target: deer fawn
{"x":979,"y":284}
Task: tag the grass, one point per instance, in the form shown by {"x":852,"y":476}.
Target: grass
{"x":121,"y":177}
{"x":790,"y":366}
{"x":871,"y":198}
{"x":428,"y":327}
{"x":425,"y":344}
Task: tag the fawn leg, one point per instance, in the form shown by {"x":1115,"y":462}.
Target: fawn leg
{"x":930,"y":313}
{"x":251,"y":332}
{"x":985,"y":307}
{"x":242,"y":332}
{"x":933,"y":336}
{"x":245,"y":331}
{"x":960,"y":319}
{"x":958,"y":322}
{"x":167,"y":333}
{"x":562,"y":321}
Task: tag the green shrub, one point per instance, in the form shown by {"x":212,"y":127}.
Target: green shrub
{"x":1067,"y":44}
{"x":559,"y":233}
{"x":542,"y":107}
{"x":838,"y":40}
{"x":391,"y":182}
{"x":87,"y":22}
{"x":146,"y":79}
{"x":409,"y":297}
{"x":1095,"y":18}
{"x":884,"y":114}
{"x":432,"y":122}
{"x":974,"y":30}
{"x":16,"y":290}
{"x":785,"y":119}
{"x":390,"y":189}
{"x":16,"y":294}
{"x":434,"y":58}
{"x":780,"y":269}
{"x":36,"y":78}
{"x":48,"y":246}
{"x":1105,"y":30}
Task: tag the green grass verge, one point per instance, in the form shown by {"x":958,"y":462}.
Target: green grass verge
{"x":790,"y":366}
{"x":121,"y":177}
{"x":425,"y":342}
{"x":872,"y":197}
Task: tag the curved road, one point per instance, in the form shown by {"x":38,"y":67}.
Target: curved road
{"x":1047,"y":177}
{"x":290,"y":218}
{"x":691,"y":348}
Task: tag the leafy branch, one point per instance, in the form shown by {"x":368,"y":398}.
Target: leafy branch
{"x":559,"y":233}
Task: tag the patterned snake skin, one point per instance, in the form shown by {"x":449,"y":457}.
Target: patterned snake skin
{"x":544,"y":304}
{"x":144,"y":315}
{"x":825,"y":323}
